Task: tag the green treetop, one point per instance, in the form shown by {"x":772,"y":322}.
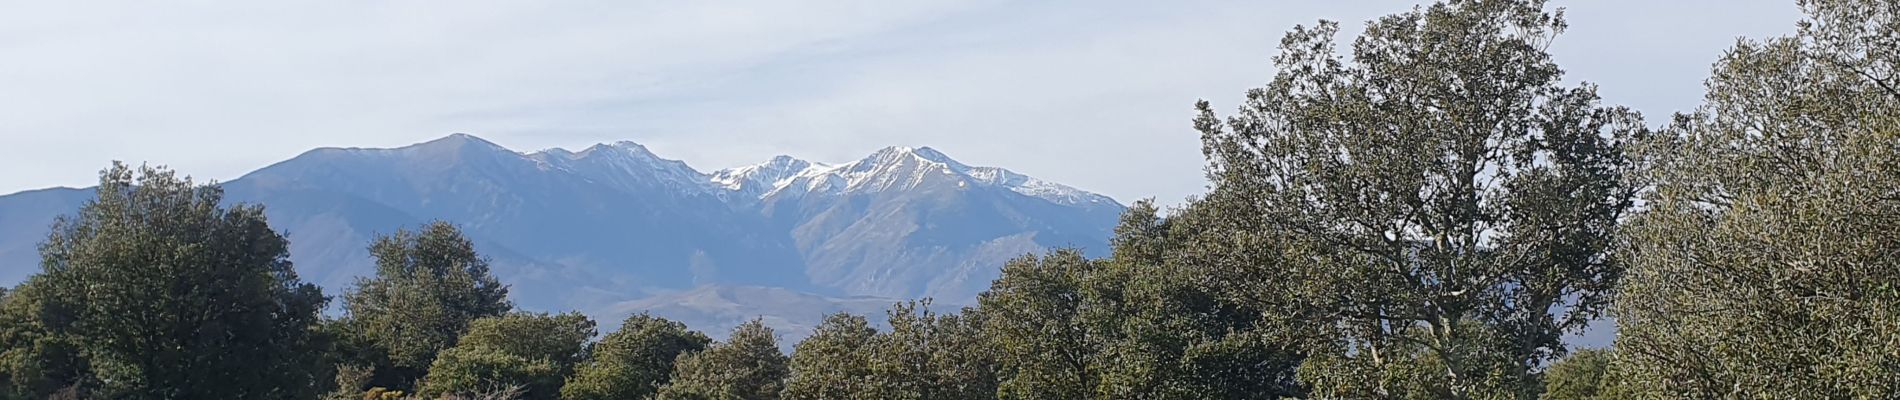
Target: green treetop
{"x":170,"y":294}
{"x":429,"y":284}
{"x":635,"y":361}
{"x":1430,"y":197}
{"x":747,"y":366}
{"x":1765,"y":263}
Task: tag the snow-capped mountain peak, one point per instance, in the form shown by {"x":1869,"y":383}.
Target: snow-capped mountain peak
{"x":890,"y":168}
{"x":632,"y":166}
{"x":1032,"y":187}
{"x":892,"y":154}
{"x":756,"y":179}
{"x":624,"y":150}
{"x":596,"y":226}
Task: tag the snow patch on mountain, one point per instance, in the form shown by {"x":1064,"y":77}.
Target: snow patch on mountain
{"x":890,"y":168}
{"x":632,"y":166}
{"x":757,"y":179}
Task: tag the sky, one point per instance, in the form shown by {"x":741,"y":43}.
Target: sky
{"x":1094,"y":94}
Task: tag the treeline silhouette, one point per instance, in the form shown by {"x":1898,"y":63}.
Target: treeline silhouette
{"x":1424,"y":215}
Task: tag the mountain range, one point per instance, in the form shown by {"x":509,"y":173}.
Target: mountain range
{"x":614,"y":229}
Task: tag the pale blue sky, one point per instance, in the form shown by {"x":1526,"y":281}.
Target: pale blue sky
{"x":1095,"y":94}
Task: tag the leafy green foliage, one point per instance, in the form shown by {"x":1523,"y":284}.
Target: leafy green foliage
{"x":35,"y":362}
{"x":1034,"y":311}
{"x":1172,"y":335}
{"x":1584,"y":375}
{"x":925,"y":355}
{"x":534,"y":352}
{"x":1432,"y":198}
{"x":463,"y":370}
{"x":560,"y":338}
{"x":1415,"y":371}
{"x":747,"y":366}
{"x":1422,"y":216}
{"x":429,"y":285}
{"x":962,"y":363}
{"x":633,"y":362}
{"x":929,"y":356}
{"x":1764,"y":266}
{"x":834,"y":362}
{"x":1150,"y":322}
{"x":168,"y":294}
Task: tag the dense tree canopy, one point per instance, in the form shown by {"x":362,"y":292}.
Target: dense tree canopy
{"x":1174,"y":336}
{"x":747,"y":366}
{"x":924,"y":356}
{"x":1583,"y":375}
{"x":170,"y":294}
{"x":929,"y":356}
{"x":962,"y":362}
{"x":429,"y":285}
{"x":1765,"y":265}
{"x":1421,"y":216}
{"x":834,"y":362}
{"x":532,"y":352}
{"x":1434,"y":197}
{"x":633,"y":362}
{"x":1034,"y":311}
{"x":35,"y":361}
